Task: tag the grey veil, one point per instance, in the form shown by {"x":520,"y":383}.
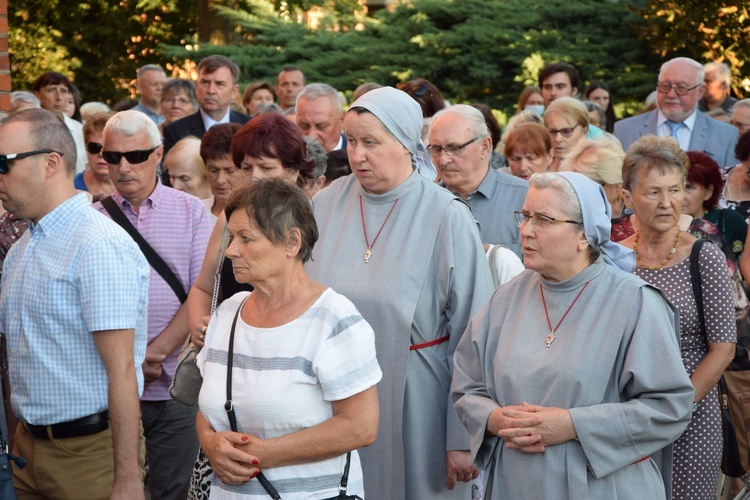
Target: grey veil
{"x":402,"y":116}
{"x":597,"y":225}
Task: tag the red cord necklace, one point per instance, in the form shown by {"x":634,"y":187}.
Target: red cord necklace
{"x":551,"y":337}
{"x":368,"y":253}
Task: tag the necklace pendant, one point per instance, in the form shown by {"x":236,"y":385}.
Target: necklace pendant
{"x":550,"y":338}
{"x":367,"y":255}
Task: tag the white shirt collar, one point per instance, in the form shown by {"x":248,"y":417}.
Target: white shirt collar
{"x":209,"y":122}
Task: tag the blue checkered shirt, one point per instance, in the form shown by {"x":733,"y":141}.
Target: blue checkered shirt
{"x":73,"y":273}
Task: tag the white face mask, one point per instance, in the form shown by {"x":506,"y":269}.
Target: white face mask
{"x":535,"y":108}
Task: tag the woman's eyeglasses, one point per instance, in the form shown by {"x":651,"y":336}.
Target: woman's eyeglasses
{"x":565,"y":132}
{"x":5,"y":160}
{"x":539,"y":221}
{"x":93,"y":147}
{"x":133,"y":157}
{"x":418,"y":90}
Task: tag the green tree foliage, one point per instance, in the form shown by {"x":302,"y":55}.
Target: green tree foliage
{"x":98,"y":43}
{"x":707,"y":30}
{"x":474,"y":50}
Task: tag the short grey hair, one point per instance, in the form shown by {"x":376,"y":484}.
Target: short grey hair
{"x":268,"y":107}
{"x":690,"y":62}
{"x":48,"y":132}
{"x":473,"y":117}
{"x":20,"y":96}
{"x":150,"y":67}
{"x":316,"y":90}
{"x":317,"y":154}
{"x":131,"y":122}
{"x":723,"y":73}
{"x":743,"y":103}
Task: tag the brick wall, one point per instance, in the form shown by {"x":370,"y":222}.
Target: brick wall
{"x":4,"y":59}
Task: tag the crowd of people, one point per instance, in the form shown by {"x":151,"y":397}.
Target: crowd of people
{"x":392,"y":298}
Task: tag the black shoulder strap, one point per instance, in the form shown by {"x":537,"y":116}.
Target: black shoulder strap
{"x":152,"y":257}
{"x":695,"y":279}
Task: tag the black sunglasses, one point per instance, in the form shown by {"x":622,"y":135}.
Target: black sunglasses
{"x":133,"y":157}
{"x":93,"y":147}
{"x":6,"y":159}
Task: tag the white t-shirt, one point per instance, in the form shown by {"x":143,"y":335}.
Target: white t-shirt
{"x":284,"y":380}
{"x":507,"y":263}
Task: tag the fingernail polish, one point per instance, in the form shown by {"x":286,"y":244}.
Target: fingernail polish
{"x":245,"y":438}
{"x":256,"y":461}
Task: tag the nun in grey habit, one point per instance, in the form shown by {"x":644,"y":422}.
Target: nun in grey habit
{"x":407,"y":253}
{"x":569,"y":379}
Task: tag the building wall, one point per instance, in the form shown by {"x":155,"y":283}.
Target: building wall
{"x":4,"y":59}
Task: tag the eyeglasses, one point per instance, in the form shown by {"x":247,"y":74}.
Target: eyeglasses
{"x":133,"y":157}
{"x":740,"y":125}
{"x":565,"y":132}
{"x":6,"y":159}
{"x":178,"y":100}
{"x":93,"y":147}
{"x":680,"y":90}
{"x":539,"y":221}
{"x":450,"y":150}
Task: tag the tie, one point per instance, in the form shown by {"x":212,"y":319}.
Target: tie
{"x":675,"y":127}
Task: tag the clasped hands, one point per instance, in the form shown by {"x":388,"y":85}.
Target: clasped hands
{"x":228,"y":455}
{"x":531,"y":428}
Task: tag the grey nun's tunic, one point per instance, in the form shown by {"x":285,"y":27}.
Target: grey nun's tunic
{"x":614,"y":364}
{"x":427,"y":276}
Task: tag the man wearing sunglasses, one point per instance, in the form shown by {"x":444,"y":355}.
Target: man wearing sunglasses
{"x":73,"y":309}
{"x":679,"y":89}
{"x":460,"y":147}
{"x":176,"y":226}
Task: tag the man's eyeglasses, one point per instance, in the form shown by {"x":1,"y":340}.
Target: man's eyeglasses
{"x":133,"y":157}
{"x":6,"y":159}
{"x":93,"y":147}
{"x":565,"y":132}
{"x":680,"y":90}
{"x":450,"y":150}
{"x":539,"y":221}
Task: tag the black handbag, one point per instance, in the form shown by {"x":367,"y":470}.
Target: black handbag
{"x":7,"y":459}
{"x":229,"y":408}
{"x":734,"y":389}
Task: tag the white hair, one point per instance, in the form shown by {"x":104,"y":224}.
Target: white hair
{"x":20,"y":96}
{"x":743,"y":103}
{"x":89,"y":109}
{"x":686,"y":60}
{"x":722,"y":71}
{"x":131,"y":122}
{"x":316,"y":90}
{"x":474,"y":118}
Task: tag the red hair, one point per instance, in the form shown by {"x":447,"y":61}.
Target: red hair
{"x":273,"y":136}
{"x":706,"y":172}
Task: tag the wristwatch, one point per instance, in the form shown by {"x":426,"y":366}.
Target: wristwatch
{"x":695,"y":406}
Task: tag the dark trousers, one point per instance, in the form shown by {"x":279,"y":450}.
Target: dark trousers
{"x":171,"y":447}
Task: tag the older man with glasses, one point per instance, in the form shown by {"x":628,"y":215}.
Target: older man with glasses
{"x":460,"y":147}
{"x":173,"y":228}
{"x":679,"y":88}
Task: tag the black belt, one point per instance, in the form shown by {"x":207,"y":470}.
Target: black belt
{"x":75,"y":428}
